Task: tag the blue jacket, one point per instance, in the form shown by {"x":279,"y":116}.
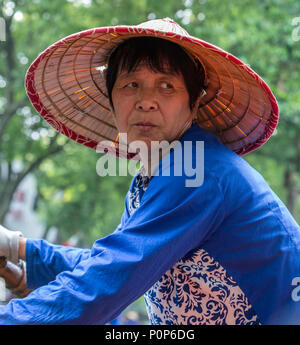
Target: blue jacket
{"x":233,"y":215}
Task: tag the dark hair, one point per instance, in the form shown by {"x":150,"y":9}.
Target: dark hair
{"x":161,"y":56}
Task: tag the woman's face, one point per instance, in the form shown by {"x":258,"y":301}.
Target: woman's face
{"x":150,"y":106}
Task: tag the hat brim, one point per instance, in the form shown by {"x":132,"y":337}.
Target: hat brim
{"x":66,"y":86}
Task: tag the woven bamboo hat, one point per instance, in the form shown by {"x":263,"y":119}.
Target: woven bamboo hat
{"x":66,"y":86}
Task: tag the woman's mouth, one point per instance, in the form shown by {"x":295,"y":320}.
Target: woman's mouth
{"x":144,"y":126}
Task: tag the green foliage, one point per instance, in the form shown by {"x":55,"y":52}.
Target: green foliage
{"x":75,"y":199}
{"x":71,"y":194}
{"x":271,"y":171}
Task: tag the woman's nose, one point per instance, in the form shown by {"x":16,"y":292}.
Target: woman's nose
{"x":146,"y":100}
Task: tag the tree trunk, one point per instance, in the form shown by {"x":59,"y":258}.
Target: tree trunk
{"x":6,"y":199}
{"x":13,"y":180}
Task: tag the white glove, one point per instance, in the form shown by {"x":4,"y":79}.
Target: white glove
{"x":9,"y":244}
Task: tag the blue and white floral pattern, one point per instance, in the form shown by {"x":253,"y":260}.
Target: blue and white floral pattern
{"x":139,"y":187}
{"x":197,"y":290}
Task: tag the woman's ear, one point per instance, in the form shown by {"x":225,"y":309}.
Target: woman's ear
{"x":196,"y":106}
{"x":194,"y":110}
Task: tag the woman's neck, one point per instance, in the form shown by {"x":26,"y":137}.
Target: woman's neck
{"x":155,"y":153}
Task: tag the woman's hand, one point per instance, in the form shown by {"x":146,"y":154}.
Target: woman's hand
{"x":22,"y":248}
{"x":12,"y":245}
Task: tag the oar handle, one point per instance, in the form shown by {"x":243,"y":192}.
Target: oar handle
{"x":14,"y":277}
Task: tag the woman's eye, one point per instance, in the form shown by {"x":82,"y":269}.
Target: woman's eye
{"x":133,"y":84}
{"x":166,"y":85}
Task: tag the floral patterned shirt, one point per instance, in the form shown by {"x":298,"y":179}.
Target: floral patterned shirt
{"x":196,"y":290}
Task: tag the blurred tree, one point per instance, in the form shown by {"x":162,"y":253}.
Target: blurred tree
{"x":31,"y":26}
{"x":72,"y":195}
{"x":78,"y":201}
{"x":24,"y":137}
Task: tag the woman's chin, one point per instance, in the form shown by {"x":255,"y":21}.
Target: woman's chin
{"x":146,"y":137}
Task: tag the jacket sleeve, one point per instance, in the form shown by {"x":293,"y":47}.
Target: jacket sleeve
{"x":171,"y":220}
{"x":44,"y":260}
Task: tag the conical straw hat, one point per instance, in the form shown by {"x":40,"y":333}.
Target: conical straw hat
{"x":66,"y":86}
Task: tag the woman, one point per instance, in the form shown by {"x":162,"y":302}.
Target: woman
{"x":225,"y":251}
